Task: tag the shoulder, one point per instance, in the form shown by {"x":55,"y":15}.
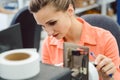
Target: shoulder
{"x":100,"y":32}
{"x":94,"y":30}
{"x":104,"y":37}
{"x":101,"y":35}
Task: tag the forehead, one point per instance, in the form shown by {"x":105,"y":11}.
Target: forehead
{"x":46,"y":10}
{"x":46,"y":13}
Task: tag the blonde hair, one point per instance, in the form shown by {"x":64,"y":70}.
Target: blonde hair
{"x":36,"y":5}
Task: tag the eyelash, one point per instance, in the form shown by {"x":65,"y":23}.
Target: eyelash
{"x":52,"y":23}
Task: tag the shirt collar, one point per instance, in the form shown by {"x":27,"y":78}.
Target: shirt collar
{"x":88,"y":34}
{"x":55,"y":42}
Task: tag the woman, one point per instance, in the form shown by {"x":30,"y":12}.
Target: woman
{"x":58,"y":20}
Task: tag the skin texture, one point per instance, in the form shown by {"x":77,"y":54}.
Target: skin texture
{"x":59,"y":29}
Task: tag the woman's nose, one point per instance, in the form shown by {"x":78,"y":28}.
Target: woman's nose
{"x":49,"y":31}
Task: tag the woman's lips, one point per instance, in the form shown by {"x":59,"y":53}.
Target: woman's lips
{"x":55,"y":35}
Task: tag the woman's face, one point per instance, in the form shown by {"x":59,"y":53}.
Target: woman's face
{"x":55,"y":23}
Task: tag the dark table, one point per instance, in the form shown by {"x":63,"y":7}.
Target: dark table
{"x":49,"y":72}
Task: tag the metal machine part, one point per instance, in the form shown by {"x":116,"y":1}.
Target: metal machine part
{"x":76,"y":58}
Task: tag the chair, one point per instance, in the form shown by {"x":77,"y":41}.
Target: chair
{"x":105,"y":22}
{"x":31,"y":32}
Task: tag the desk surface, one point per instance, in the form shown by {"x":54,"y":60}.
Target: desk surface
{"x":48,"y":72}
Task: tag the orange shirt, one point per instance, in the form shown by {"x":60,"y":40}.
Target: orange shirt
{"x":98,"y":40}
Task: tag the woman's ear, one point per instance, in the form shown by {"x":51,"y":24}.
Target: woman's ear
{"x":70,"y":10}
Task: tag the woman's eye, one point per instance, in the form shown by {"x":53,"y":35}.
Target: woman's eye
{"x":52,"y":23}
